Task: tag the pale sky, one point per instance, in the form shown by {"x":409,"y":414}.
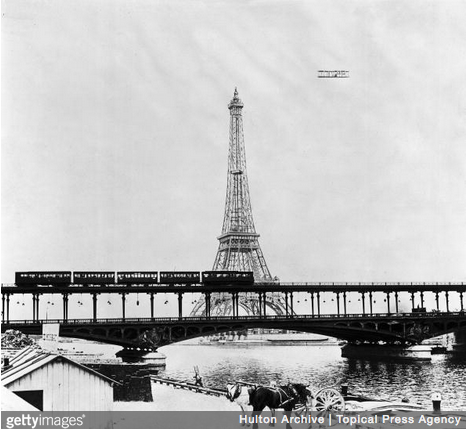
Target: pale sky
{"x":115,"y":135}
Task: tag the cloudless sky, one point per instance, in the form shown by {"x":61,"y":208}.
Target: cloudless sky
{"x":115,"y":135}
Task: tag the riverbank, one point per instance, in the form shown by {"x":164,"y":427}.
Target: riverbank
{"x":167,"y":398}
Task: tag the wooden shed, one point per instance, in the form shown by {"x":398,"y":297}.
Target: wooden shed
{"x":52,"y":382}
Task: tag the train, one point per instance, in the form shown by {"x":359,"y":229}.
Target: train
{"x":67,"y":279}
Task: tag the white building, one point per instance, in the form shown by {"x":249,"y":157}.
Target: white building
{"x":52,"y":382}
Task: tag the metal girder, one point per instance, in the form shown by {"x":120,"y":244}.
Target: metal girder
{"x":151,"y":334}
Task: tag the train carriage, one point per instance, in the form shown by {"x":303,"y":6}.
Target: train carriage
{"x":180,"y":277}
{"x":227,"y":277}
{"x":35,"y":279}
{"x":94,"y":278}
{"x":136,"y":278}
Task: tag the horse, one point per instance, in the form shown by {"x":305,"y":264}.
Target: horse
{"x":238,"y":393}
{"x":283,"y":397}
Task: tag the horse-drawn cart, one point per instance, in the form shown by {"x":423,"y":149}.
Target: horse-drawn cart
{"x":292,"y":397}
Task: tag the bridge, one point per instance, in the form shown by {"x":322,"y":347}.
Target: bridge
{"x":390,"y":325}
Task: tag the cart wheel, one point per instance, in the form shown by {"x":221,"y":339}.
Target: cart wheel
{"x":329,"y":399}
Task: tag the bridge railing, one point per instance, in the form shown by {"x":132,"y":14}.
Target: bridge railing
{"x":284,"y":284}
{"x":382,"y":316}
{"x":355,"y":284}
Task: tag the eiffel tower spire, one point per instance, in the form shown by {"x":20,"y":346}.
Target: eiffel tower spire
{"x":239,"y":247}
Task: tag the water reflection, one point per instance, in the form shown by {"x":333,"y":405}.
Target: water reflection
{"x":322,"y":366}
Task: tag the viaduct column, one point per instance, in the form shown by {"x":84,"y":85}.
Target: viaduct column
{"x":65,"y":306}
{"x":3,"y":308}
{"x":123,"y":305}
{"x":6,"y":311}
{"x":207,"y":305}
{"x":180,"y":305}
{"x":35,"y":306}
{"x":260,"y":304}
{"x":94,"y":307}
{"x":151,"y":305}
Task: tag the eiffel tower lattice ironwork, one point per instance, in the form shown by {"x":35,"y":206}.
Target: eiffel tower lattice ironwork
{"x":239,"y":248}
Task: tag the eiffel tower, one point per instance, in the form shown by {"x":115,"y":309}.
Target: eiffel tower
{"x":239,"y":248}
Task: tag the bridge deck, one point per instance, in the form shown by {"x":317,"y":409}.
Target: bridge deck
{"x":246,"y":318}
{"x":241,"y":288}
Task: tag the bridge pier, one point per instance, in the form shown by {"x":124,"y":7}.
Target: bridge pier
{"x":388,"y":301}
{"x":461,"y":300}
{"x":436,"y":300}
{"x":338,"y":303}
{"x":370,"y":302}
{"x":363,"y":299}
{"x":396,"y":301}
{"x":318,"y":303}
{"x":367,"y":351}
{"x":142,"y":356}
{"x":344,"y":302}
{"x":447,"y":301}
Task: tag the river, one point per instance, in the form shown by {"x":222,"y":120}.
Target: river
{"x":321,"y":366}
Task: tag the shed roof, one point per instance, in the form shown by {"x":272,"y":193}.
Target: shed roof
{"x":31,"y":359}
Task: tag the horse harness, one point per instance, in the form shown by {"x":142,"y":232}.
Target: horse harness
{"x":283,"y":394}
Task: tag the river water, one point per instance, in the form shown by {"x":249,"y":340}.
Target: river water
{"x":321,"y":366}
